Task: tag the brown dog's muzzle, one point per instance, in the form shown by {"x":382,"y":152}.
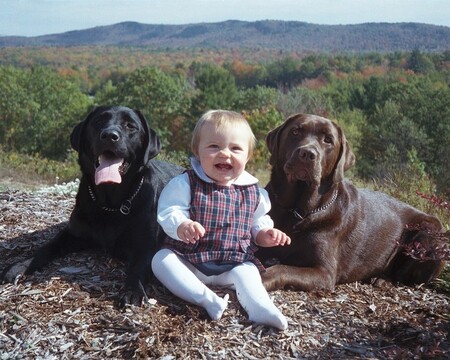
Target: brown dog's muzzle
{"x":303,"y":164}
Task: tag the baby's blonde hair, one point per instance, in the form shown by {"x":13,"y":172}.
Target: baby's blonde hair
{"x":222,"y":119}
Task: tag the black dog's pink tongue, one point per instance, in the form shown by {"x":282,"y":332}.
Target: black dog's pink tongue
{"x":108,"y":170}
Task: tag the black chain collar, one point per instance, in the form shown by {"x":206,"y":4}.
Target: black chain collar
{"x":317,"y":210}
{"x":125,"y":207}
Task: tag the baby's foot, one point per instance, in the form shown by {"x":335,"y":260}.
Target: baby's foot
{"x":272,"y":317}
{"x":216,"y":309}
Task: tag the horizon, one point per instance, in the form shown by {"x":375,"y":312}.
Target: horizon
{"x":218,"y":22}
{"x":30,"y":18}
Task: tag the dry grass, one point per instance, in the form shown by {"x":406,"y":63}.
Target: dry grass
{"x":69,"y":310}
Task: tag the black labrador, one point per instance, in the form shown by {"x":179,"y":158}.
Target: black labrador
{"x":116,"y":203}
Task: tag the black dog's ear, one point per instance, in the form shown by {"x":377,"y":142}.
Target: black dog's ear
{"x":77,"y":133}
{"x":76,"y":136}
{"x":346,"y":158}
{"x":152,"y":145}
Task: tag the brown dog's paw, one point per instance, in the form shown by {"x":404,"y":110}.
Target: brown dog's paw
{"x":270,"y":278}
{"x":14,"y":272}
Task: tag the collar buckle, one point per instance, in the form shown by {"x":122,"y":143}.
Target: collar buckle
{"x":297,"y":215}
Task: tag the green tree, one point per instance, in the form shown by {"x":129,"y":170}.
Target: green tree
{"x":39,"y":109}
{"x":313,"y":66}
{"x":246,"y":75}
{"x":369,"y":96}
{"x":261,"y":122}
{"x":389,"y":129}
{"x":259,"y":97}
{"x":302,"y":100}
{"x":341,"y":92}
{"x":419,"y":63}
{"x":283,"y":74}
{"x":428,"y":104}
{"x":352,"y":122}
{"x":61,"y":106}
{"x":162,"y":98}
{"x":16,"y":107}
{"x":215,"y":89}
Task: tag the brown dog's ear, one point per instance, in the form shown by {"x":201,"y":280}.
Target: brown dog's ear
{"x":152,"y":145}
{"x":272,"y":144}
{"x":273,"y":140}
{"x":346,"y":158}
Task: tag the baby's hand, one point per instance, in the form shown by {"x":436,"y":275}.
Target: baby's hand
{"x":190,"y":231}
{"x":272,"y":237}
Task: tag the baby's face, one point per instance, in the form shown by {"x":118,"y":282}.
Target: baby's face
{"x":223,"y":153}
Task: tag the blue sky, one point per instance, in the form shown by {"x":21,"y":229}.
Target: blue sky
{"x":39,"y":17}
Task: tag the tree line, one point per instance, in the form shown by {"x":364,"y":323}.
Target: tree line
{"x":394,"y":108}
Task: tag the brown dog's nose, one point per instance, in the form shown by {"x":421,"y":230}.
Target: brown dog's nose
{"x":307,"y":153}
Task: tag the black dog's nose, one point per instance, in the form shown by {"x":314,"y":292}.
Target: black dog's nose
{"x":110,"y":135}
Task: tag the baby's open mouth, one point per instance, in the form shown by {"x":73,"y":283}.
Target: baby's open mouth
{"x":223,"y":166}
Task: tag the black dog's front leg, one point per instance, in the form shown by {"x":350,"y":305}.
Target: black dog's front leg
{"x":138,"y":275}
{"x":63,"y":244}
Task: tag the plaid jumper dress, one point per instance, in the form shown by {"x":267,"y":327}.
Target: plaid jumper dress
{"x":226,"y":213}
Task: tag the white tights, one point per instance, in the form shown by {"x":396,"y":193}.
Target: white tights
{"x":190,"y":284}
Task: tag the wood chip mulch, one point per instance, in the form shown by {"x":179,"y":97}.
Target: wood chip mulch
{"x":69,"y":310}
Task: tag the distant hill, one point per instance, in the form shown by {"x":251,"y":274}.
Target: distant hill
{"x":268,"y":34}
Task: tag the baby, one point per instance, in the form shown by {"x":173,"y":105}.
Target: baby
{"x":214,"y":215}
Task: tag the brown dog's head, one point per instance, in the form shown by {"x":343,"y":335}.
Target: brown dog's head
{"x":310,"y":148}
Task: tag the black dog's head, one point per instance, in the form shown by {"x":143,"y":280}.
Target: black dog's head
{"x":113,"y":141}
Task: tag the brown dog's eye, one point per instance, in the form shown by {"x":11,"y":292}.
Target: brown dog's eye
{"x":328,"y":139}
{"x":295,"y":132}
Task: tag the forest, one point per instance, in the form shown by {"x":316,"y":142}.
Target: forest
{"x":394,"y":107}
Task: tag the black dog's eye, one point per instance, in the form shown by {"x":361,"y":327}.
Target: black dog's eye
{"x":131,"y":126}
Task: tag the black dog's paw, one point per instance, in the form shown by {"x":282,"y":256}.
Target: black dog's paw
{"x":133,"y":296}
{"x":14,"y":272}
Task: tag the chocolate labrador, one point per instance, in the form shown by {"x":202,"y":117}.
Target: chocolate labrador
{"x":339,"y":233}
{"x":116,"y":203}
